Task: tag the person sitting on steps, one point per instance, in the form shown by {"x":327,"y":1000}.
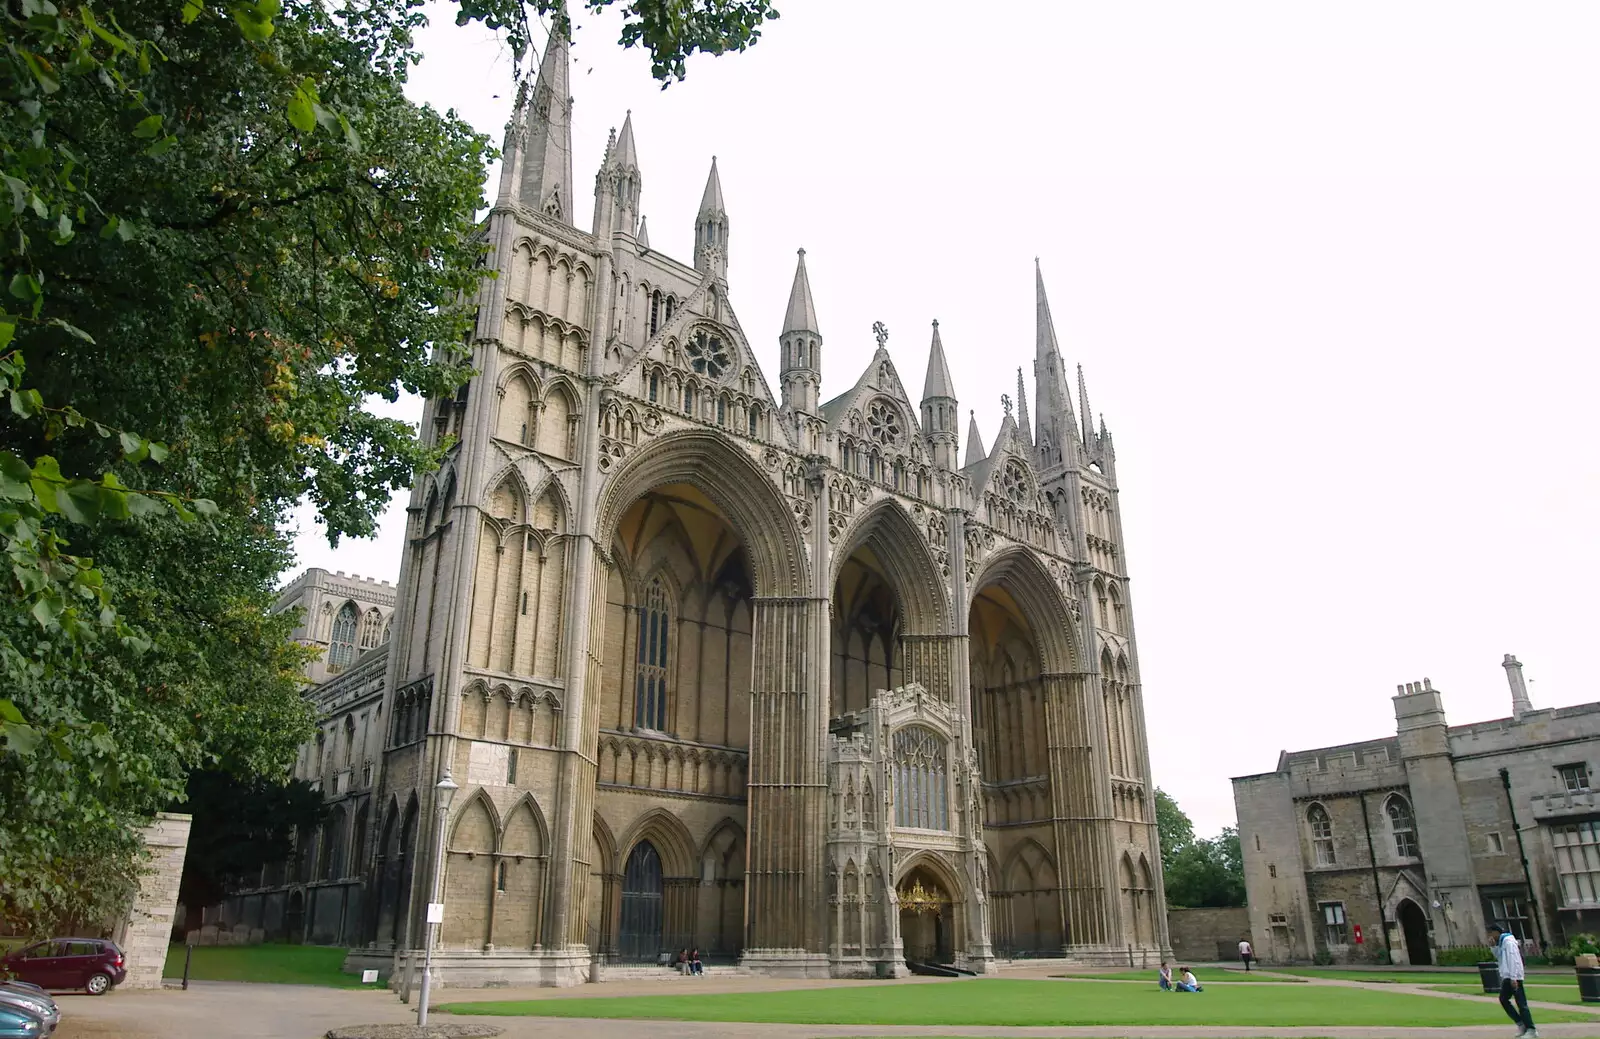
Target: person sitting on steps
{"x":695,"y":966}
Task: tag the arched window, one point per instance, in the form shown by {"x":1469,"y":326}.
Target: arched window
{"x":921,"y":794}
{"x":650,"y":690}
{"x":342,"y":640}
{"x":1321,"y":835}
{"x":755,"y":421}
{"x":349,"y":740}
{"x":371,"y":629}
{"x":655,"y":386}
{"x":1403,"y":826}
{"x":722,"y":411}
{"x":688,"y":399}
{"x":388,"y":625}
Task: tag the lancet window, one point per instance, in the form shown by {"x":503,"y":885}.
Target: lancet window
{"x":650,"y":692}
{"x":342,"y":640}
{"x":921,"y":795}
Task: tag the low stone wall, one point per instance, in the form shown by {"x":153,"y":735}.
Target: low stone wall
{"x":144,"y":934}
{"x":1205,"y":935}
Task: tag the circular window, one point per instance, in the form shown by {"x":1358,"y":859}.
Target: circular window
{"x":708,"y":355}
{"x":1014,"y":481}
{"x":883,"y":423}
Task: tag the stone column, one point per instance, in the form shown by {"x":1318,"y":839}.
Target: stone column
{"x":1082,"y":826}
{"x":786,"y":904}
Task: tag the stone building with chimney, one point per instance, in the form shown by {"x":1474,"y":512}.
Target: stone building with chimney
{"x":1413,"y":842}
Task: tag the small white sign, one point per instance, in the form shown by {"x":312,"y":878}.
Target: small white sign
{"x":435,"y":912}
{"x":369,"y":977}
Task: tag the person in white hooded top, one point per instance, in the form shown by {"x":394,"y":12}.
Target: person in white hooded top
{"x":1508,"y":955}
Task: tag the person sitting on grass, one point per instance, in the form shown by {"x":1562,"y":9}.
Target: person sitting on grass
{"x":1166,"y":977}
{"x":1187,"y":981}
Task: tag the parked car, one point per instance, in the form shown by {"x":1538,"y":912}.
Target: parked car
{"x":40,"y":1006}
{"x":92,"y":964}
{"x":17,"y":1023}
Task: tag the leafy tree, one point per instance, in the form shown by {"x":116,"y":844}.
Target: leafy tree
{"x":1174,"y":828}
{"x":228,"y":230}
{"x":240,"y":825}
{"x":1198,"y":871}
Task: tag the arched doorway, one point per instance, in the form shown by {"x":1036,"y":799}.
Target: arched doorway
{"x":1414,"y":924}
{"x":642,"y":891}
{"x":927,"y":918}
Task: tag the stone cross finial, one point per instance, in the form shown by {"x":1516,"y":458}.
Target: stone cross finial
{"x":1005,"y":402}
{"x":880,"y":333}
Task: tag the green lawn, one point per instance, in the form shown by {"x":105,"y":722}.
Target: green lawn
{"x":277,"y":964}
{"x":1205,"y":977}
{"x":1018,"y":1002}
{"x":1547,"y":993}
{"x":1400,"y":976}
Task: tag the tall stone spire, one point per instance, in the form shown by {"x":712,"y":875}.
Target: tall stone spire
{"x":975,"y":451}
{"x":939,"y":407}
{"x":800,"y":367}
{"x":545,"y":149}
{"x":1520,"y":702}
{"x":1057,"y":433}
{"x":711,"y":229}
{"x":1024,"y":428}
{"x":1083,"y":406}
{"x":622,"y":177}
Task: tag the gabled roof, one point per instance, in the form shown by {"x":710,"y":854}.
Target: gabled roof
{"x":879,"y":379}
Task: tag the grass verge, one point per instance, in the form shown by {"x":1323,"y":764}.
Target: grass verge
{"x":1205,"y":977}
{"x":1465,"y":976}
{"x":1545,"y":993}
{"x":269,"y":964}
{"x":1021,"y":1003}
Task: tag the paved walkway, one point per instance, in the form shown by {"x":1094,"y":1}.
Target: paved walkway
{"x":245,"y":1011}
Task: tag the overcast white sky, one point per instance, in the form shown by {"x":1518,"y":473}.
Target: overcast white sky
{"x":1331,"y":270}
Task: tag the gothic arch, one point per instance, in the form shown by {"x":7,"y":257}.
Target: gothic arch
{"x":885,"y":528}
{"x":1019,"y":571}
{"x":553,"y":489}
{"x":931,"y":862}
{"x":671,"y":840}
{"x":510,"y":476}
{"x":510,"y":840}
{"x":733,"y":482}
{"x":728,"y":825}
{"x":466,"y":821}
{"x":605,"y":845}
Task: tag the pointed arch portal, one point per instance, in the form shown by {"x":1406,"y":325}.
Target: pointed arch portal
{"x":642,"y":897}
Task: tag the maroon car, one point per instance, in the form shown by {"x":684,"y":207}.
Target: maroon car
{"x":92,"y":964}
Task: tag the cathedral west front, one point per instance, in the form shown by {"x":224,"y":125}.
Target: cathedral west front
{"x":718,"y":662}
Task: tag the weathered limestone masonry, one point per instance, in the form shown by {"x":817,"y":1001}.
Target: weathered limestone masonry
{"x":144,"y":934}
{"x":1415,"y":841}
{"x":782,"y":678}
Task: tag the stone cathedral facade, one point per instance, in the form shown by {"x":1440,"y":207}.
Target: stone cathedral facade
{"x":719,"y":663}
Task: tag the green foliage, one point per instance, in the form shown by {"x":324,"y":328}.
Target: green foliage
{"x":670,"y":30}
{"x":1463,"y":956}
{"x":240,"y":825}
{"x":1198,"y":872}
{"x":1174,"y":827}
{"x":1584,"y":945}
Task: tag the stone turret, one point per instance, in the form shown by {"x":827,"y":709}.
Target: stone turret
{"x":800,"y":367}
{"x":939,"y":408}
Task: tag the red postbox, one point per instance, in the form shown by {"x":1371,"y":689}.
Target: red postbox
{"x":1357,"y":929}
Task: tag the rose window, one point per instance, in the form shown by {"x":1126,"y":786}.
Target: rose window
{"x":883,"y":424}
{"x":707,"y":355}
{"x":1014,"y":481}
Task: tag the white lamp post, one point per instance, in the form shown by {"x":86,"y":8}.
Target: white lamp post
{"x":443,"y":793}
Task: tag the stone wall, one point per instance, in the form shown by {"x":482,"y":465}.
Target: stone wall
{"x":1203,"y":935}
{"x":144,"y":934}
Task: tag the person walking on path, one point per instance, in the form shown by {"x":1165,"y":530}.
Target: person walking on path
{"x":1246,"y":953}
{"x":1508,"y":954}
